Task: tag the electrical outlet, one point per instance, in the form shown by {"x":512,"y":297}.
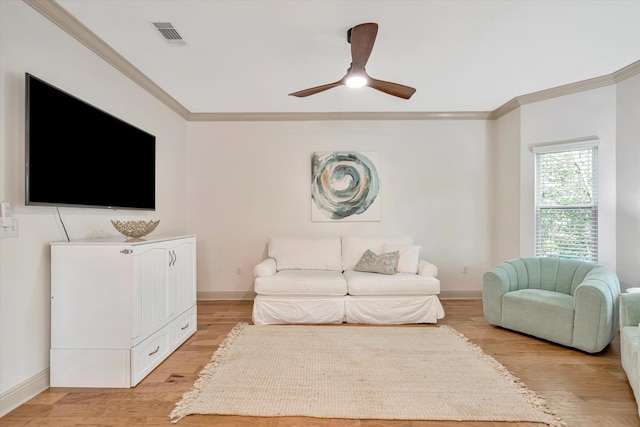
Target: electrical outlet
{"x":239,"y":271}
{"x":11,"y":231}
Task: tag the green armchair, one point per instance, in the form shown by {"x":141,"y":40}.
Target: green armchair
{"x":629,"y":325}
{"x":572,"y":303}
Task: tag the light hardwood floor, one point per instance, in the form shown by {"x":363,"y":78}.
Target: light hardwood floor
{"x":586,"y":390}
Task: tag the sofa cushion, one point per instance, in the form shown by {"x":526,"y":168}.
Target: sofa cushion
{"x":553,"y":313}
{"x":361,"y":283}
{"x":353,"y":247}
{"x":409,"y":257}
{"x":383,"y":263}
{"x":306,"y":253}
{"x":302,"y":282}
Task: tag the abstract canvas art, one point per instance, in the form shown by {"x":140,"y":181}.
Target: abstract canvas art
{"x":345,"y":186}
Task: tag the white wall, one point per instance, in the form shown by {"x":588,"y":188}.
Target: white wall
{"x":30,"y":43}
{"x":249,"y":181}
{"x":504,"y":167}
{"x":628,"y":182}
{"x":584,"y":114}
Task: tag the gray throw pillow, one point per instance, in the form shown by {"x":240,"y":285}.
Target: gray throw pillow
{"x":383,"y":264}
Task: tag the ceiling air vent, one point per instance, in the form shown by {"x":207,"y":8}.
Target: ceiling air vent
{"x":168,"y":33}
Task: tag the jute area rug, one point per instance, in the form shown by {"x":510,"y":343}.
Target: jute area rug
{"x":359,"y":372}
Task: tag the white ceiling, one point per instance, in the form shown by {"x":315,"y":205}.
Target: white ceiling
{"x":461,"y":55}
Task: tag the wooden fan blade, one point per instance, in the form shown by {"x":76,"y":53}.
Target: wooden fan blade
{"x":363,"y":36}
{"x":317,"y":89}
{"x":395,"y":89}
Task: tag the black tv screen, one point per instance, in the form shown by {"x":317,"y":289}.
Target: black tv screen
{"x":78,"y":155}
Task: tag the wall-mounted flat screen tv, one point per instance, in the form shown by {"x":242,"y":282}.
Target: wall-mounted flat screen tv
{"x":80,"y":156}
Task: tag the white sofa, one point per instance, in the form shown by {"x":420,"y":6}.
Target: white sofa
{"x":315,"y":280}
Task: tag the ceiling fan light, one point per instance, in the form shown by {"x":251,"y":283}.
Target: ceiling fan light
{"x":356,"y":81}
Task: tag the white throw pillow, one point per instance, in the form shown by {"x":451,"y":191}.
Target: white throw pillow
{"x":409,"y":257}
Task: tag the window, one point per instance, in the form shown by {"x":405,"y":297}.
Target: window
{"x":567,"y":203}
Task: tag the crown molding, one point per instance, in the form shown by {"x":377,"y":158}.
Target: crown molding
{"x":270,"y":117}
{"x":551,"y":93}
{"x":626,"y":72}
{"x":568,"y":89}
{"x":55,"y":13}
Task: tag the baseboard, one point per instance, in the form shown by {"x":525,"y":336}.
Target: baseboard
{"x":460,"y":295}
{"x":23,"y":392}
{"x":250,"y":295}
{"x":226,"y":296}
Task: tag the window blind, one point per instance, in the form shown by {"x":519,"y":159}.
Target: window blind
{"x":567,"y":204}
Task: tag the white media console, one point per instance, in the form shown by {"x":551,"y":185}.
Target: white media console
{"x":119,"y":308}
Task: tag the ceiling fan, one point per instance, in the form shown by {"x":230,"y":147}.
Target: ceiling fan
{"x":361,"y":37}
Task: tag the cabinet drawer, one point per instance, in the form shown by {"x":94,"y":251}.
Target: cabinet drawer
{"x":184,"y":326}
{"x":149,"y":354}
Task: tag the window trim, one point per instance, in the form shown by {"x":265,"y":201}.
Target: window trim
{"x":565,"y":145}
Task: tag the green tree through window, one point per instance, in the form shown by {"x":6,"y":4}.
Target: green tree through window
{"x":567,"y":204}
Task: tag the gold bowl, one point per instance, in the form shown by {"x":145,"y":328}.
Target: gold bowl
{"x":135,"y":229}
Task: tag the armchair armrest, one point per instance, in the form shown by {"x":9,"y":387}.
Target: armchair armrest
{"x":425,"y":268}
{"x":495,"y":283}
{"x":266,"y":267}
{"x":597,"y":307}
{"x":629,"y":309}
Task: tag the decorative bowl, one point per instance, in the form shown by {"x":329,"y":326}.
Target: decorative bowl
{"x":135,"y":229}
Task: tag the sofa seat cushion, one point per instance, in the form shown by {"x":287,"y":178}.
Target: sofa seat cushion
{"x":302,"y":282}
{"x":363,"y":283}
{"x":553,"y":313}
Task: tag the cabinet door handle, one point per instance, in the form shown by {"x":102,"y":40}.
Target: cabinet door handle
{"x":175,"y":257}
{"x":185,"y":326}
{"x":171,"y":258}
{"x":154,"y":351}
